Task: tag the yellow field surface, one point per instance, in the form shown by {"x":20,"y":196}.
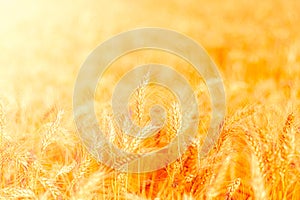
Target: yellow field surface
{"x":255,"y":44}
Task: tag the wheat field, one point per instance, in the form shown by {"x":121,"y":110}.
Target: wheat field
{"x":255,"y":44}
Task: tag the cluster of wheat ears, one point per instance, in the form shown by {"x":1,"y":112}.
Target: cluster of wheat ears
{"x":257,"y":48}
{"x":255,"y":158}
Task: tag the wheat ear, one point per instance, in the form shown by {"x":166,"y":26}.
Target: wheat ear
{"x":232,"y":188}
{"x":257,"y":180}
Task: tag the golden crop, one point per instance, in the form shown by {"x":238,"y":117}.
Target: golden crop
{"x":256,"y":45}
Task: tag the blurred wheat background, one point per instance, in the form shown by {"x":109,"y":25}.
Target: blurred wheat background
{"x":256,"y":45}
